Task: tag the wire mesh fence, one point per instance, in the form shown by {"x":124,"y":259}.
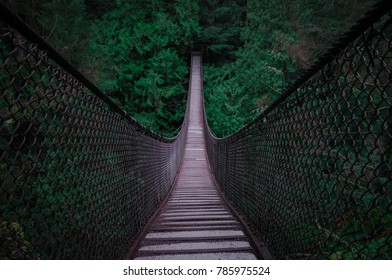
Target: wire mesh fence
{"x":313,"y":173}
{"x":78,"y":179}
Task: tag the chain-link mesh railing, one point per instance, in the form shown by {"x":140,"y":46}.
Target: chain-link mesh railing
{"x":79,"y":177}
{"x":313,"y":173}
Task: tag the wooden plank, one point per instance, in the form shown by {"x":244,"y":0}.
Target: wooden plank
{"x":144,"y":252}
{"x":204,"y":238}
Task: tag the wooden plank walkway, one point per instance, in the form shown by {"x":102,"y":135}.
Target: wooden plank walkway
{"x":195,"y":223}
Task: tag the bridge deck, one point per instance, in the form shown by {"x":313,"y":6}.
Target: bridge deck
{"x":195,"y":223}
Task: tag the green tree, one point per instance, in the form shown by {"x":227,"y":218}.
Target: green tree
{"x":280,"y":40}
{"x":140,"y":49}
{"x":222,"y":22}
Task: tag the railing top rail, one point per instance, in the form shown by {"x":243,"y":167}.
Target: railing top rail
{"x":17,"y":23}
{"x":79,"y":176}
{"x":312,"y":175}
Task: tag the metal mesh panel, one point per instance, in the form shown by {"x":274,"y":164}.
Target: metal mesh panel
{"x":313,"y":173}
{"x":78,"y":180}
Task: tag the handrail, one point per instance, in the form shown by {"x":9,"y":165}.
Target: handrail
{"x":79,"y":177}
{"x":312,"y":174}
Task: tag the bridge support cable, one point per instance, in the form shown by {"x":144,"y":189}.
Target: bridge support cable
{"x":79,"y":176}
{"x":312,"y":174}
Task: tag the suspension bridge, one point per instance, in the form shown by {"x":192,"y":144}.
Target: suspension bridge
{"x":309,"y":178}
{"x":195,"y":222}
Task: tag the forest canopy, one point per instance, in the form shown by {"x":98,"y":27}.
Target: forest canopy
{"x":137,"y":52}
